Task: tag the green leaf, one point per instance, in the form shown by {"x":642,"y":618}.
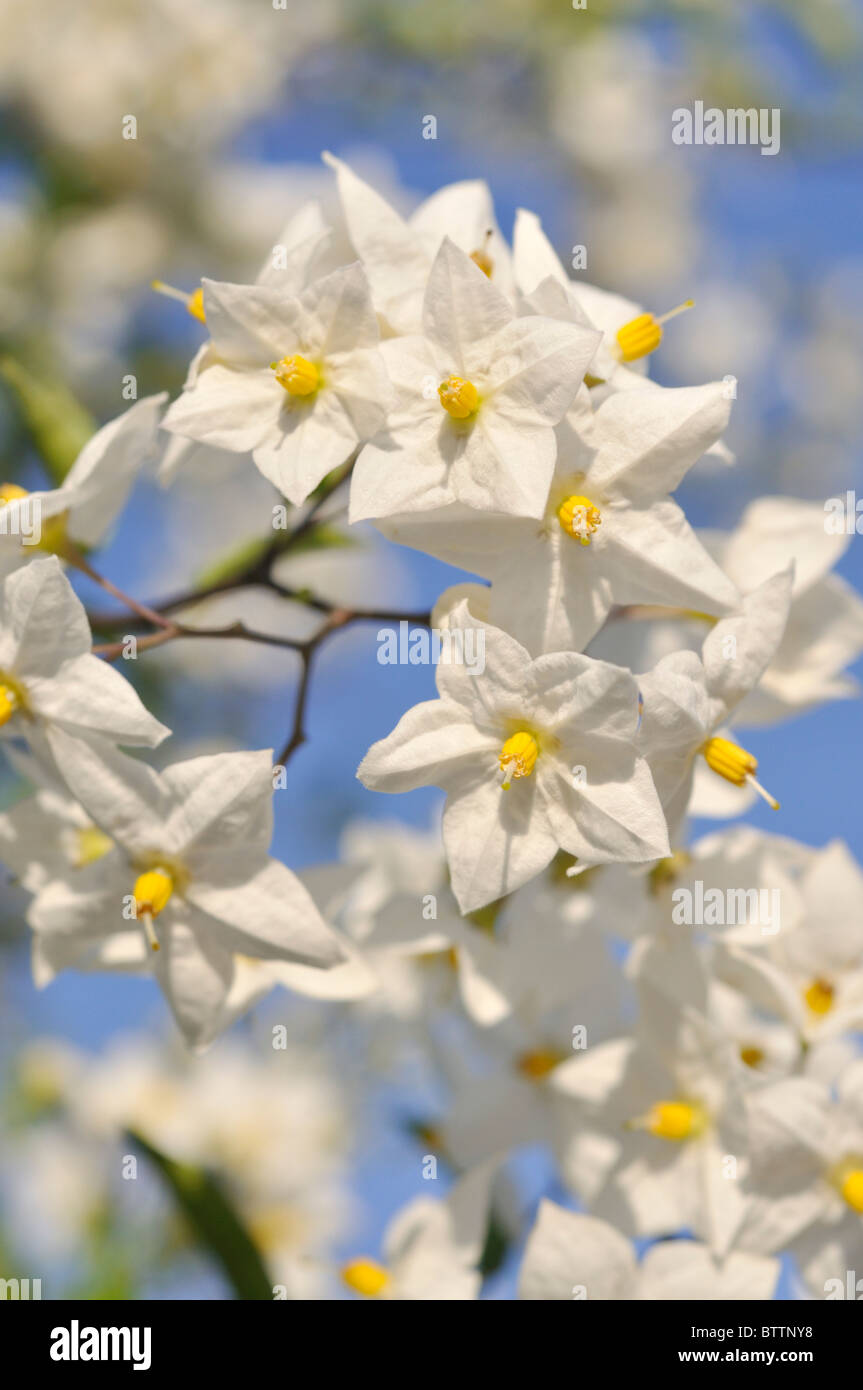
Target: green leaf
{"x":58,"y":424}
{"x":214,"y":1222}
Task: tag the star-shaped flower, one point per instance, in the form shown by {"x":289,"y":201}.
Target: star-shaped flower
{"x":806,"y":1180}
{"x":84,"y":508}
{"x":50,"y":682}
{"x":688,"y":698}
{"x":572,"y":1256}
{"x":300,"y":380}
{"x":609,"y":532}
{"x":629,"y":332}
{"x":478,"y":397}
{"x":190,"y":875}
{"x":298,"y":257}
{"x":535,"y":756}
{"x":431,"y":1248}
{"x":397,"y":252}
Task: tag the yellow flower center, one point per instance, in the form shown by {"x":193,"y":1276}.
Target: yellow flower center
{"x":674,"y":1120}
{"x":643,"y":334}
{"x":366,"y":1277}
{"x":298,"y":375}
{"x":481,"y":257}
{"x":733,"y":763}
{"x":539,"y":1063}
{"x":152,"y":892}
{"x":852,"y":1189}
{"x":579,"y":518}
{"x":51,"y":532}
{"x":92,"y":844}
{"x":195,"y":305}
{"x":459,"y":398}
{"x":9,"y":704}
{"x":11,"y":492}
{"x":194,"y":302}
{"x":518,"y":757}
{"x":819,"y":996}
{"x":751,"y":1056}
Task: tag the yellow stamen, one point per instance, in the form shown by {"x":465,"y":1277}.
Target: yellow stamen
{"x":9,"y":704}
{"x":481,"y":257}
{"x":298,"y":376}
{"x":579,"y":518}
{"x":153,"y":891}
{"x":537,"y":1065}
{"x":11,"y":492}
{"x":193,"y":302}
{"x":643,"y":334}
{"x":49,"y":534}
{"x":518,"y":757}
{"x":733,"y":763}
{"x":820,"y":996}
{"x":458,"y":397}
{"x":366,"y":1276}
{"x":674,"y":1120}
{"x":852,"y":1189}
{"x":92,"y":844}
{"x":751,"y":1056}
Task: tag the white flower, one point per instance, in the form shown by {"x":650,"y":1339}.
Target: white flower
{"x":537,"y":959}
{"x":191,"y":877}
{"x":48,"y":834}
{"x":629,"y":334}
{"x":658,"y":1142}
{"x":50,"y":682}
{"x":397,"y":253}
{"x":811,"y":972}
{"x":570,"y":1256}
{"x":609,"y":532}
{"x":824,"y":633}
{"x":86,"y":505}
{"x":477,"y":399}
{"x":300,"y":381}
{"x":687,"y":698}
{"x":535,"y":756}
{"x":296,"y":257}
{"x":806,"y":1179}
{"x":431,"y":1248}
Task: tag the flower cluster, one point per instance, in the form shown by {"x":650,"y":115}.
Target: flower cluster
{"x":475,"y":404}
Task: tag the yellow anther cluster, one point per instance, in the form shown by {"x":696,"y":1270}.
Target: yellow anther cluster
{"x":9,"y":703}
{"x":153,"y":891}
{"x":195,"y":305}
{"x":366,"y":1277}
{"x":674,"y":1120}
{"x":579,"y":518}
{"x":458,"y":397}
{"x":643,"y":334}
{"x":819,"y":996}
{"x":730,"y":760}
{"x":297,"y":375}
{"x":852,"y":1189}
{"x":518,"y":757}
{"x":639,"y":337}
{"x":538,"y":1064}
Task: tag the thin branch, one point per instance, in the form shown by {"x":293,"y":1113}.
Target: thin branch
{"x":147,"y":614}
{"x":256,"y":573}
